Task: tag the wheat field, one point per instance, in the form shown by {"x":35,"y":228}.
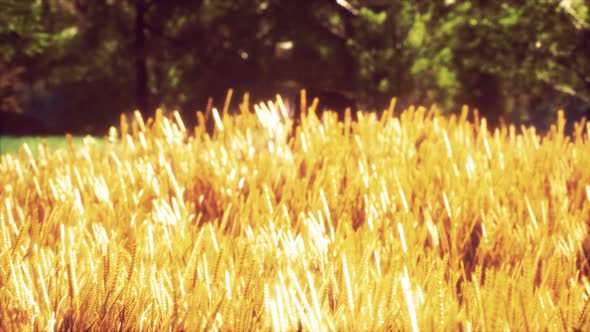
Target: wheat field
{"x":406,"y":221}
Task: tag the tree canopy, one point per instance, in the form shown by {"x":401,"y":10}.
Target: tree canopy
{"x":77,"y":64}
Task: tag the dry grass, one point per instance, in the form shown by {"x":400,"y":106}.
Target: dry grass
{"x":413,"y":222}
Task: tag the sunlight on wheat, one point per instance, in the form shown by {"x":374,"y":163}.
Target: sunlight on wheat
{"x":399,"y":221}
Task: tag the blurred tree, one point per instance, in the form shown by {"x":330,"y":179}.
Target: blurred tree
{"x":482,"y":53}
{"x":535,"y":48}
{"x":21,"y":39}
{"x":92,"y":59}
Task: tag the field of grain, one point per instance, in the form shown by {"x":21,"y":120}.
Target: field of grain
{"x":406,"y":221}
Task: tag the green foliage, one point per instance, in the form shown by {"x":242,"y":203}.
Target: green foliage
{"x":21,"y":31}
{"x":512,"y":56}
{"x":530,"y":48}
{"x":417,"y":33}
{"x":375,"y":21}
{"x":21,"y":39}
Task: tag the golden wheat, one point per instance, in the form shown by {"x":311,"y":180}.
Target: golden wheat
{"x":407,"y":222}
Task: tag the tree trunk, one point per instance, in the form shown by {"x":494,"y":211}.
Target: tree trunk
{"x":141,"y":74}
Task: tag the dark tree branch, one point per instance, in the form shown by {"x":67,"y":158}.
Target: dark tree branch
{"x":141,"y":74}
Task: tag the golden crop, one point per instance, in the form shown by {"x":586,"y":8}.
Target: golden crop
{"x":408,"y":222}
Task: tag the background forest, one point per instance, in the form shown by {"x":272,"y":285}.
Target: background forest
{"x":75,"y":65}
